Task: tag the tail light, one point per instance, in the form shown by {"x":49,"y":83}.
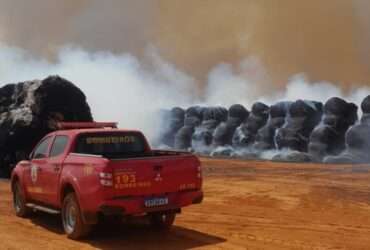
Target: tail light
{"x":106,"y":179}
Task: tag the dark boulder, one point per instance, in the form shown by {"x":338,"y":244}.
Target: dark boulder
{"x":30,"y":110}
{"x":193,"y":118}
{"x":328,"y":138}
{"x":172,"y":121}
{"x":203,"y":135}
{"x":302,"y":119}
{"x":357,"y":140}
{"x":265,"y":138}
{"x":223,"y":134}
{"x":245,"y":134}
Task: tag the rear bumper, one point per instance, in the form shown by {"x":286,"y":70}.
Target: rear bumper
{"x":134,"y":205}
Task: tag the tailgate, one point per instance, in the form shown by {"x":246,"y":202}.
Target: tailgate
{"x":155,"y":175}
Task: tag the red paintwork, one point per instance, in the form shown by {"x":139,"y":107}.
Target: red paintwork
{"x":79,"y":125}
{"x":179,"y":178}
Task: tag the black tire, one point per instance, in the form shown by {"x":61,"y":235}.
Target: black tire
{"x":19,"y":201}
{"x":162,"y":221}
{"x":72,"y":220}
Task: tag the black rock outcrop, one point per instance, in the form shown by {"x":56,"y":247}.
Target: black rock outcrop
{"x":29,"y":110}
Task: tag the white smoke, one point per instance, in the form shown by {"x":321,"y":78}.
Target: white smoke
{"x":118,"y":87}
{"x":299,"y":87}
{"x":121,"y":88}
{"x":243,"y":84}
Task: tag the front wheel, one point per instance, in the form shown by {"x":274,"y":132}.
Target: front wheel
{"x":19,"y":201}
{"x":73,"y":224}
{"x":162,"y":221}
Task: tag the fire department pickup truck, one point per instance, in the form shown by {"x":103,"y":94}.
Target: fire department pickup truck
{"x":86,"y":171}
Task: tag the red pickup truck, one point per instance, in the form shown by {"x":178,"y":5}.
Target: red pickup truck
{"x":97,"y":170}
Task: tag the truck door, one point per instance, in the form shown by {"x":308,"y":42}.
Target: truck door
{"x":38,"y":162}
{"x":51,"y":171}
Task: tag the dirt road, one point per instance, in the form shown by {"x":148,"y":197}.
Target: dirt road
{"x":248,"y":205}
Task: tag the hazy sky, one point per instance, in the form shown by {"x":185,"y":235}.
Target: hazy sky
{"x":327,"y":40}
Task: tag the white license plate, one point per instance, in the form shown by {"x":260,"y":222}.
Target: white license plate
{"x":156,"y":202}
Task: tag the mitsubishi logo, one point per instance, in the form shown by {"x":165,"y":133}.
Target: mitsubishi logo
{"x":158,"y":177}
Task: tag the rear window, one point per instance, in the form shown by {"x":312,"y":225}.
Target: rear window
{"x":112,"y":145}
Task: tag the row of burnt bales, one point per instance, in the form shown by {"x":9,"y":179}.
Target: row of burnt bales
{"x":300,"y":131}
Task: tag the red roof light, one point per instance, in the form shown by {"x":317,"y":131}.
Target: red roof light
{"x":81,"y":125}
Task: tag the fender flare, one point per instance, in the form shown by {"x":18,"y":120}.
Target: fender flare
{"x":88,"y":218}
{"x":68,"y":181}
{"x":17,"y":174}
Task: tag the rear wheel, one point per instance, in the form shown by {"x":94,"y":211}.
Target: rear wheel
{"x":162,"y":221}
{"x":73,"y":224}
{"x":19,"y":201}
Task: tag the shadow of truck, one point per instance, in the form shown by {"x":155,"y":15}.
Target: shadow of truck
{"x":133,"y":235}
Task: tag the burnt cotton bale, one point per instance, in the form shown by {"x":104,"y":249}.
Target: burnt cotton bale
{"x":173,"y":120}
{"x":245,"y":134}
{"x":223,"y":134}
{"x":302,"y":119}
{"x":30,"y":110}
{"x":203,"y":135}
{"x":357,"y":140}
{"x":328,"y":138}
{"x":193,"y":118}
{"x":265,"y":138}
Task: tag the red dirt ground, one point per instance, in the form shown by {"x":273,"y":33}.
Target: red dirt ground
{"x":248,"y":205}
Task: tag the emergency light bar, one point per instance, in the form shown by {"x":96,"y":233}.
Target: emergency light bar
{"x":77,"y":125}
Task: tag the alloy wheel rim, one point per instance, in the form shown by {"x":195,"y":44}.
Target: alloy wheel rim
{"x":70,"y":217}
{"x":17,"y":200}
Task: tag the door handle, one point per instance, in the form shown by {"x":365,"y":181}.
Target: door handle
{"x":56,"y":167}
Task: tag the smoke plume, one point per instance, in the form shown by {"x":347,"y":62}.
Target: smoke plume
{"x":135,"y":57}
{"x":327,"y":41}
{"x":120,"y":87}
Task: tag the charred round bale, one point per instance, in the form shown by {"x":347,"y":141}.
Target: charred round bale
{"x":203,"y":135}
{"x":173,"y":120}
{"x":265,"y":138}
{"x":30,"y":110}
{"x":223,"y":134}
{"x":365,"y":105}
{"x":357,"y":140}
{"x":302,"y":119}
{"x":193,"y":118}
{"x":245,"y":134}
{"x":328,"y":138}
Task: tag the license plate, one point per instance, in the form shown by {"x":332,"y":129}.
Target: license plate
{"x":156,"y":202}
